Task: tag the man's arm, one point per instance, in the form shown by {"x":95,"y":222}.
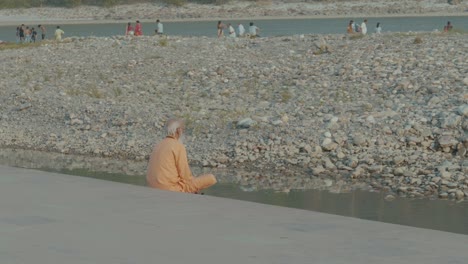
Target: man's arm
{"x":183,"y":167}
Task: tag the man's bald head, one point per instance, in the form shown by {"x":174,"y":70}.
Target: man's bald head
{"x":175,"y":127}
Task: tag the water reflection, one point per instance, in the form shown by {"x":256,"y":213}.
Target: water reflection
{"x":433,"y":214}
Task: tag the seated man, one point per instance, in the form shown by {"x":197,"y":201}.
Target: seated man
{"x":168,"y":168}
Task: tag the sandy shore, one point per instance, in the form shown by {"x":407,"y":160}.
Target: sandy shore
{"x":239,"y":11}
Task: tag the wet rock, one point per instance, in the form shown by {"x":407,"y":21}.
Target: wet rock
{"x":459,"y":194}
{"x":443,"y":195}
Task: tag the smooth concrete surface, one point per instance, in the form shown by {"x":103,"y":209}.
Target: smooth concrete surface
{"x":48,"y":218}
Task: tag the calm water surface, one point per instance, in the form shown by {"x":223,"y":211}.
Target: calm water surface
{"x":268,"y":27}
{"x":442,"y":215}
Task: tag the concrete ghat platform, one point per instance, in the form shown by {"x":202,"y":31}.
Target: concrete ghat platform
{"x":48,"y":218}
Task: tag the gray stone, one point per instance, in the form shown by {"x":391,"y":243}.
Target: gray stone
{"x":461,"y":150}
{"x":277,"y":122}
{"x":459,"y":194}
{"x":463,"y":110}
{"x":359,"y":140}
{"x":318,"y":170}
{"x":443,"y":195}
{"x":358,"y":172}
{"x":352,"y":162}
{"x":399,"y":171}
{"x":451,"y":121}
{"x":447,"y":141}
{"x":445,"y":175}
{"x":245,"y":123}
{"x":24,"y":107}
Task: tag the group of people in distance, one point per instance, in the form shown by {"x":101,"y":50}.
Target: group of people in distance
{"x":24,"y":34}
{"x":254,"y":31}
{"x":362,"y":29}
{"x":355,"y":28}
{"x":138,"y":29}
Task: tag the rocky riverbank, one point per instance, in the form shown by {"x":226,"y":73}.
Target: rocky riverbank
{"x":388,"y":112}
{"x":237,"y":10}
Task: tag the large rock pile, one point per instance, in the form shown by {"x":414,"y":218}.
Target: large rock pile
{"x":390,"y":115}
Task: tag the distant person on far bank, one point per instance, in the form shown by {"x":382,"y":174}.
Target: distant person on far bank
{"x":159,"y":27}
{"x":58,"y":33}
{"x":350,"y":28}
{"x":129,"y":30}
{"x":33,"y":35}
{"x":168,"y":167}
{"x":448,"y":27}
{"x":254,"y":30}
{"x":21,"y":33}
{"x":232,"y":32}
{"x":220,"y":29}
{"x":364,"y":27}
{"x":27,"y":34}
{"x":378,"y":29}
{"x":138,"y":29}
{"x":43,"y":31}
{"x":356,"y":27}
{"x":241,"y":30}
{"x":17,"y":34}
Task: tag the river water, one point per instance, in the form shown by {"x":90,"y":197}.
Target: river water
{"x":442,"y":215}
{"x":275,"y":27}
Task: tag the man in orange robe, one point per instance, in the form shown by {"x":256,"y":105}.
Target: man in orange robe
{"x":168,"y":167}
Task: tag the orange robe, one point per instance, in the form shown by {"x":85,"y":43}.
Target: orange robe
{"x":168,"y":169}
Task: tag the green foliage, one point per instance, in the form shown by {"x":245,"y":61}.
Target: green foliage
{"x":418,"y":40}
{"x":285,"y":96}
{"x":458,"y":31}
{"x":74,"y":3}
{"x":19,"y":45}
{"x":356,"y":36}
{"x":19,"y":3}
{"x":110,"y":3}
{"x":175,"y":2}
{"x":163,"y":42}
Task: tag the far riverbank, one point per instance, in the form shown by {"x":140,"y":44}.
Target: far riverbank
{"x":269,"y":28}
{"x":234,"y":10}
{"x":17,"y":20}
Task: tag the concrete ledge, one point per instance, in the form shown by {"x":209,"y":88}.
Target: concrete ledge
{"x":48,"y":218}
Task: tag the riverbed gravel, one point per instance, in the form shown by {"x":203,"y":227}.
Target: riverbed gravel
{"x":388,"y":112}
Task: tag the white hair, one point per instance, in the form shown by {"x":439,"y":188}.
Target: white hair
{"x":172,"y":126}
